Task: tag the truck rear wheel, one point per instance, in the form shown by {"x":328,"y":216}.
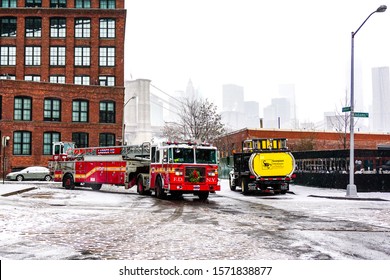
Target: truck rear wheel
{"x":68,"y":182}
{"x":244,"y":185}
{"x":231,"y":185}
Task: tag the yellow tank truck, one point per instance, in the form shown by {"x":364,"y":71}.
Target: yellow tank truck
{"x":263,"y":166}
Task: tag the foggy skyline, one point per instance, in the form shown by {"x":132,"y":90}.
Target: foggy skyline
{"x":259,"y":45}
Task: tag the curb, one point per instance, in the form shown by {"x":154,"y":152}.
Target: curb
{"x":349,"y":198}
{"x":18,"y":191}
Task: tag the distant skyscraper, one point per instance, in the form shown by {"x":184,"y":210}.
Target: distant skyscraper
{"x":277,"y":115}
{"x":252,"y":119}
{"x":191,"y":93}
{"x":288,"y":91}
{"x":381,"y":99}
{"x":233,"y":106}
{"x":232,"y":98}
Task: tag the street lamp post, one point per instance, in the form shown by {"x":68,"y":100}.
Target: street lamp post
{"x":4,"y":143}
{"x":123,"y":119}
{"x":351,"y":187}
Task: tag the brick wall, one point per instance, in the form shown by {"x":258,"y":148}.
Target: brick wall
{"x":39,"y":91}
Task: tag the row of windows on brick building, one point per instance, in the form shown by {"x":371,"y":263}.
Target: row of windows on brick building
{"x":22,"y":141}
{"x":52,"y":110}
{"x":60,"y":79}
{"x":81,"y":4}
{"x":82,"y":56}
{"x":33,"y":27}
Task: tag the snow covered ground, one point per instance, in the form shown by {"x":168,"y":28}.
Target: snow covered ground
{"x":51,"y":223}
{"x":41,"y":224}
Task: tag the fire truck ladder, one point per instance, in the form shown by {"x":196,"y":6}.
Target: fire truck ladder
{"x":127,"y":152}
{"x":136,"y":151}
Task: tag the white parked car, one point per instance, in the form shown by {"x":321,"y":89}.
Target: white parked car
{"x":30,"y":173}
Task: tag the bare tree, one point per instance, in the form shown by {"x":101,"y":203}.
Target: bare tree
{"x":341,"y":123}
{"x":198,"y":121}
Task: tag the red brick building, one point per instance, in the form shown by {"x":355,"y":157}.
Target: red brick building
{"x":61,"y":76}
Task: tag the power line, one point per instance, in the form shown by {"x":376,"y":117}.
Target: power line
{"x":167,"y":94}
{"x":154,"y":102}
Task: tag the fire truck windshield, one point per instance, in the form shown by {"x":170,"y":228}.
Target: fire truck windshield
{"x":183,"y":155}
{"x":191,"y":155}
{"x":208,"y":156}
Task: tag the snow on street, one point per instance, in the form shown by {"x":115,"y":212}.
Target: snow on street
{"x":309,"y":224}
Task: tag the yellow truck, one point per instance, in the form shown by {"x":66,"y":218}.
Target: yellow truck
{"x":264,"y":166}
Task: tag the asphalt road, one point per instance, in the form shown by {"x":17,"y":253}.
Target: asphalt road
{"x":50,"y":222}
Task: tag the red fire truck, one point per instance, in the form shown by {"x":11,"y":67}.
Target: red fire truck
{"x":174,"y":168}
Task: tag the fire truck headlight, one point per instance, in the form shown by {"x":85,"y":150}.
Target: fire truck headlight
{"x":211,"y":173}
{"x":178,"y":172}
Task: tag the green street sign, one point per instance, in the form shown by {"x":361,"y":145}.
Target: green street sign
{"x":360,"y":115}
{"x":346,"y":109}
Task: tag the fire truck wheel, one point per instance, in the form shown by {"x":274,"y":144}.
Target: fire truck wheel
{"x":140,"y":186}
{"x":203,"y":195}
{"x":96,"y":187}
{"x":244,"y":185}
{"x":68,"y":182}
{"x":159,"y":189}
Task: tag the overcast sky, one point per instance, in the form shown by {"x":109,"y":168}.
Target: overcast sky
{"x":259,"y":45}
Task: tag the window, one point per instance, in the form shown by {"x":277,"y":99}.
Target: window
{"x":34,"y":78}
{"x":83,"y":4}
{"x":48,"y":139}
{"x":58,"y":27}
{"x":22,"y":108}
{"x":7,"y":77}
{"x":107,"y":81}
{"x":57,"y":79}
{"x":7,"y":55}
{"x":57,"y":3}
{"x":80,"y":111}
{"x":82,"y":80}
{"x":106,"y":139}
{"x":8,"y":27}
{"x":107,"y":4}
{"x":82,"y":56}
{"x":33,"y":27}
{"x":82,"y":28}
{"x":57,"y":56}
{"x":80,"y":139}
{"x":33,"y":3}
{"x":107,"y":56}
{"x":107,"y":112}
{"x":107,"y":28}
{"x":8,"y":3}
{"x":33,"y":56}
{"x":52,"y":110}
{"x":22,"y":143}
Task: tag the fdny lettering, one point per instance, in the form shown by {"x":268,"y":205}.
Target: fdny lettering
{"x":177,"y":179}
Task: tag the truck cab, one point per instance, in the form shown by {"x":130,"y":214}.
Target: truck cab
{"x":179,"y":168}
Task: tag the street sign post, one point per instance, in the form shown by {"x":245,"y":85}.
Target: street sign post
{"x":360,"y":115}
{"x":346,"y":109}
